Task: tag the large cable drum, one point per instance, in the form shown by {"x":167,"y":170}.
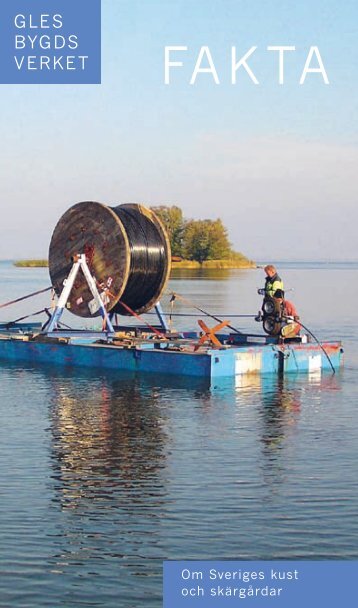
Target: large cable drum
{"x":127,"y":250}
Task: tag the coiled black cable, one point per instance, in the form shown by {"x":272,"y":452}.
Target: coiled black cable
{"x":127,"y":251}
{"x":148,"y":259}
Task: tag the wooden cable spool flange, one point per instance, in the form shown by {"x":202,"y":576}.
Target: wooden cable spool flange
{"x":127,"y":250}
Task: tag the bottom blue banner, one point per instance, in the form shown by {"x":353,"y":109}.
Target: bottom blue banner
{"x":288,"y":584}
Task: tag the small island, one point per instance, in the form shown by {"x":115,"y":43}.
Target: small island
{"x":199,"y":243}
{"x":31,"y":263}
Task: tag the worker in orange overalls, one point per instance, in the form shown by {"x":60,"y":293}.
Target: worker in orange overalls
{"x":290,"y":327}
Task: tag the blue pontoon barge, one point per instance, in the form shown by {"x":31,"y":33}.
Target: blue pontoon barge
{"x":111,"y":261}
{"x":239,"y":354}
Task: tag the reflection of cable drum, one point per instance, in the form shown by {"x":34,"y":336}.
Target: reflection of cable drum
{"x":271,"y":326}
{"x":127,"y":250}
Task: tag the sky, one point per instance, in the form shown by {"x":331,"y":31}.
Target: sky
{"x":277,"y":163}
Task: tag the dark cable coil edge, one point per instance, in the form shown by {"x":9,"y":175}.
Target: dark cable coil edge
{"x":147,"y":259}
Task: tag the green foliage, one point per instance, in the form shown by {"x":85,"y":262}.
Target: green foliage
{"x":197,"y":240}
{"x":172,"y":218}
{"x":206,"y":240}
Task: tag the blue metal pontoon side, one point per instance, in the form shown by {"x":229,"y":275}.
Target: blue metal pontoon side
{"x":226,"y":362}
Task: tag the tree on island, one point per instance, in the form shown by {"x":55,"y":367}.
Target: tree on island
{"x":206,"y":240}
{"x":173,"y":220}
{"x":197,"y":240}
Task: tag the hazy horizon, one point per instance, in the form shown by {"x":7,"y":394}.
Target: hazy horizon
{"x":258,"y":262}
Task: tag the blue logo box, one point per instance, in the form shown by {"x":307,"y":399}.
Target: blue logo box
{"x":50,"y":42}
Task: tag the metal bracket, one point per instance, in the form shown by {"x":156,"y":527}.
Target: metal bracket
{"x":161,"y":316}
{"x":79,"y":262}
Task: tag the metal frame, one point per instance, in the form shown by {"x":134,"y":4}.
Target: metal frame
{"x":80,"y":262}
{"x":161,"y":316}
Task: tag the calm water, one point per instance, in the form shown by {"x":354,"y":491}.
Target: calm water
{"x":104,"y":475}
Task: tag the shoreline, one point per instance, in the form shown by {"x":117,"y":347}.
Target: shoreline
{"x":186,"y":264}
{"x":31,"y":263}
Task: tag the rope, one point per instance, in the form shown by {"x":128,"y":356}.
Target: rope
{"x":319,"y":344}
{"x":316,"y":340}
{"x":175,"y":295}
{"x":185,"y":314}
{"x":30,"y":295}
{"x":134,"y":314}
{"x":208,"y":314}
{"x":34,"y":314}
